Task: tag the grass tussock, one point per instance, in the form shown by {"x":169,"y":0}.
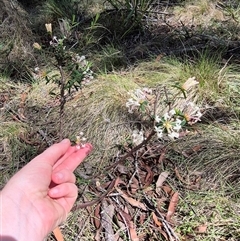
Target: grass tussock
{"x":202,"y":13}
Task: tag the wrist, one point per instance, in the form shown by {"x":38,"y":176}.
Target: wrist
{"x":16,"y":222}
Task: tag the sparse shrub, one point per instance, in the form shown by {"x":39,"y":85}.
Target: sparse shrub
{"x":73,"y":70}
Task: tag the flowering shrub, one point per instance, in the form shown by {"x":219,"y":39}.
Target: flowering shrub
{"x":74,"y":69}
{"x":171,"y":123}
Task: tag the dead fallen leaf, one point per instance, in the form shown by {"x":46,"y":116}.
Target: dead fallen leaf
{"x":133,"y":233}
{"x":131,"y":201}
{"x":162,"y":156}
{"x":172,"y":206}
{"x":149,"y":177}
{"x":97,"y":236}
{"x":130,"y":225}
{"x":168,"y":190}
{"x":122,"y":169}
{"x":96,"y":218}
{"x":133,"y":186}
{"x":159,"y":57}
{"x":201,"y":228}
{"x":58,"y":234}
{"x":107,"y":214}
{"x":180,"y":177}
{"x":192,"y":150}
{"x":161,"y":179}
{"x":156,"y":221}
{"x":142,"y":218}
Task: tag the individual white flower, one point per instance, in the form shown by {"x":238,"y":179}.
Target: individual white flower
{"x":159,"y":131}
{"x":132,"y":104}
{"x":139,"y":94}
{"x":172,"y":135}
{"x":168,"y":125}
{"x":138,"y":98}
{"x":177,"y":127}
{"x":137,"y":137}
{"x":178,"y":121}
{"x":192,"y":113}
{"x":80,"y":140}
{"x":54,"y":42}
{"x":147,"y":90}
{"x":172,"y":112}
{"x":81,"y":58}
{"x":157,"y":119}
{"x":166,"y":116}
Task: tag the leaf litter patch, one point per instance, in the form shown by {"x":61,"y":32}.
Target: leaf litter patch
{"x":134,"y":200}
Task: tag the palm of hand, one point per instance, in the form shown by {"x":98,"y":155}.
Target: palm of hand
{"x":45,"y":187}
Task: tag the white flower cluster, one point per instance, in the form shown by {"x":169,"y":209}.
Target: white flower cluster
{"x":173,"y":121}
{"x":138,"y":98}
{"x":171,"y":124}
{"x":85,"y":66}
{"x":80,"y":141}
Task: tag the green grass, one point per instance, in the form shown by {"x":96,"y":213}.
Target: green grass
{"x":210,"y":208}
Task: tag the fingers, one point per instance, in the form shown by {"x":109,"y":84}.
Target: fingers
{"x":65,"y":194}
{"x":74,"y":159}
{"x":68,"y":153}
{"x":63,"y":176}
{"x":53,"y":153}
{"x":66,"y":190}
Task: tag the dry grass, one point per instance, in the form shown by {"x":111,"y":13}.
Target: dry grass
{"x":202,"y":13}
{"x":29,"y":125}
{"x":99,"y":111}
{"x":16,"y":39}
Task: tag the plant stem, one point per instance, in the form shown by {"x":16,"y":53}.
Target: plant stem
{"x":62,"y":101}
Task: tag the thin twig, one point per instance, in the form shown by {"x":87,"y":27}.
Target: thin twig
{"x":137,"y":172}
{"x":91,"y":203}
{"x":62,"y":101}
{"x":123,"y":158}
{"x":167,"y":227}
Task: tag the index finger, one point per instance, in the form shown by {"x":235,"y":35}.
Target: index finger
{"x":72,"y":161}
{"x":53,"y":153}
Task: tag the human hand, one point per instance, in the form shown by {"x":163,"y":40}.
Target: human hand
{"x":39,"y":197}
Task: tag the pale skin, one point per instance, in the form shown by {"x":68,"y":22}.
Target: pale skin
{"x":39,"y":197}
